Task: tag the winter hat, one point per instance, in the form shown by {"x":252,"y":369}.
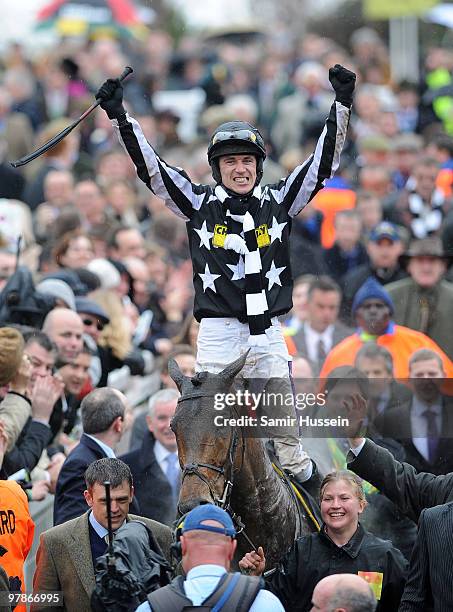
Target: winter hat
{"x":371,"y":289}
{"x":58,"y":289}
{"x":11,"y":352}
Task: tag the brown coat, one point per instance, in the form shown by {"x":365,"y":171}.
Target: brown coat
{"x":14,"y":413}
{"x":64,"y":562}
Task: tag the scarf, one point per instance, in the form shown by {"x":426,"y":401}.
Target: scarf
{"x":258,"y":316}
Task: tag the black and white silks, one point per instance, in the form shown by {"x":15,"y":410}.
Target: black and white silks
{"x":223,"y":288}
{"x":258,"y":317}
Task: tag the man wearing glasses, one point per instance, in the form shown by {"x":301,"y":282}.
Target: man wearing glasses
{"x":239,"y":240}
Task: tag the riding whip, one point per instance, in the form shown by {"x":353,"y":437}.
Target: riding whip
{"x":59,"y":137}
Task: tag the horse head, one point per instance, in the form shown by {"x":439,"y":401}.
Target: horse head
{"x":208,"y":453}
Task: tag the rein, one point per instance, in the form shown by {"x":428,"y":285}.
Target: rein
{"x":194,"y":469}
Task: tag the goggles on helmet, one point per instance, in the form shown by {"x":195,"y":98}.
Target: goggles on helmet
{"x":246,"y":135}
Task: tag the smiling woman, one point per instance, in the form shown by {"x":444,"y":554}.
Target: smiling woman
{"x":342,"y":546}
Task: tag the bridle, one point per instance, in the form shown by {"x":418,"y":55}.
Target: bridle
{"x":227,"y":470}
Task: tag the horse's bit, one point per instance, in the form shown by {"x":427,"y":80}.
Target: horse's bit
{"x":224,"y":500}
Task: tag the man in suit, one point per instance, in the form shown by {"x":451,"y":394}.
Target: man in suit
{"x":428,"y":585}
{"x":321,"y":331}
{"x":155,"y":466}
{"x":67,"y":553}
{"x":103,"y":420}
{"x":410,"y":490}
{"x":385,"y":393}
{"x":422,"y":424}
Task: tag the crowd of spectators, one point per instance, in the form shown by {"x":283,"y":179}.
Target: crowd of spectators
{"x":95,"y":273}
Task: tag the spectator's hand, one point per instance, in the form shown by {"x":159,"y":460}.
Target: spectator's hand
{"x":356,"y":412}
{"x":39,"y":490}
{"x":343,"y":82}
{"x":45,"y":394}
{"x":20,"y":382}
{"x":253,"y":562}
{"x":111,"y":94}
{"x":68,"y":443}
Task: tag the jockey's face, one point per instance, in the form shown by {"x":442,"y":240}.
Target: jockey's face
{"x":238,"y":172}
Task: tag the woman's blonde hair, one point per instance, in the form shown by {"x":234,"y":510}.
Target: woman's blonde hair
{"x":117,"y":334}
{"x":347,"y":476}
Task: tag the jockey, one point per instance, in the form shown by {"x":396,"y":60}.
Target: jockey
{"x":239,"y":239}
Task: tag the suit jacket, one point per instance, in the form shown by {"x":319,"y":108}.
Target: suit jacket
{"x":410,"y":490}
{"x":340,"y":332}
{"x":152,"y":489}
{"x":428,"y":586}
{"x":396,"y":423}
{"x":69,"y":500}
{"x":64,"y":562}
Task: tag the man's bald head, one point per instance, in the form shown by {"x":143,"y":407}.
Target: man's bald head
{"x":343,"y":593}
{"x":65,"y":328}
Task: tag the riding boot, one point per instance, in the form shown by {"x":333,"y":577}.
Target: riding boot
{"x":292,"y":456}
{"x":313,"y":484}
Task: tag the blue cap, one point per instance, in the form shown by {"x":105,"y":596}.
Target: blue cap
{"x":384,"y":229}
{"x":371,"y":289}
{"x":208,"y":512}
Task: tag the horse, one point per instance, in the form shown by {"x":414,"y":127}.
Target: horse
{"x":222,"y":465}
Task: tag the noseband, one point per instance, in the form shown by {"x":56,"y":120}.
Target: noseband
{"x":194,"y":469}
{"x":227,"y":470}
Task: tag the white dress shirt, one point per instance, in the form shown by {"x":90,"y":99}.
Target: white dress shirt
{"x":419,"y":424}
{"x":107,"y":450}
{"x":161,"y":453}
{"x":312,"y":338}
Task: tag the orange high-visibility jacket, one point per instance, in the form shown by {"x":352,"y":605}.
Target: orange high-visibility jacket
{"x":16,"y":530}
{"x":401,"y":342}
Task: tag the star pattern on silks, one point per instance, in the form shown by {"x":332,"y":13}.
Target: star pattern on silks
{"x":265,"y":196}
{"x":208,"y":279}
{"x":273,"y":275}
{"x":275,"y":232}
{"x":205,"y":236}
{"x":238,"y":269}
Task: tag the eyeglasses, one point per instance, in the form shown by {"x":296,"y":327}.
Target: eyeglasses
{"x":89,"y":323}
{"x":236,"y":135}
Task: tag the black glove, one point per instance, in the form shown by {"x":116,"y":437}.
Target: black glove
{"x":343,"y":81}
{"x":111,"y":94}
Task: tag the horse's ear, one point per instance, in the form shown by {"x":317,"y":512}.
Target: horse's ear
{"x":175,"y":373}
{"x":235,"y":367}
